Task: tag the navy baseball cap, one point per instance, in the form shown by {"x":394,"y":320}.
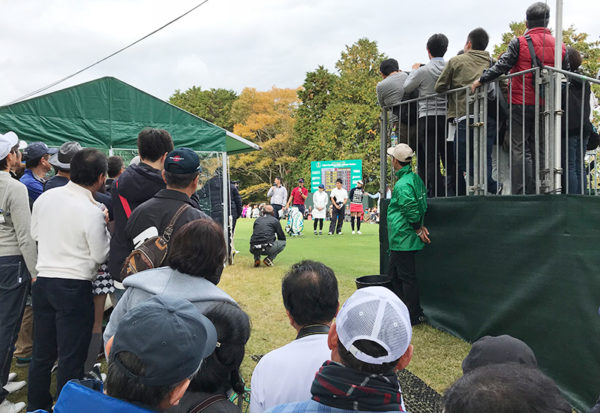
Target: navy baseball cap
{"x":38,"y":149}
{"x":182,"y":161}
{"x":301,"y":180}
{"x":321,"y":186}
{"x":169,"y":335}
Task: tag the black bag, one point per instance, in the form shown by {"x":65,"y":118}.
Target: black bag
{"x":152,"y":253}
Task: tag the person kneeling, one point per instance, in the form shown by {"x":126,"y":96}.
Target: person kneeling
{"x":267,"y":238}
{"x":157,"y":348}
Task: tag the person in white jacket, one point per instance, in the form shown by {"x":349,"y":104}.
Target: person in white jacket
{"x":320,"y":200}
{"x":70,"y":228}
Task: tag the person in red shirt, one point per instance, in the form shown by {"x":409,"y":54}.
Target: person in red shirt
{"x":298,"y":196}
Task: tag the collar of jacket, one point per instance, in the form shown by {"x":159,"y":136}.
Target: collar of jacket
{"x":173,"y":194}
{"x":403,"y":171}
{"x":541,"y":30}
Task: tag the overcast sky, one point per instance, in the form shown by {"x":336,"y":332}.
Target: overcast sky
{"x":233,"y":43}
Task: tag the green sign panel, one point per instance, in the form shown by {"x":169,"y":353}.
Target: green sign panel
{"x":327,"y":172}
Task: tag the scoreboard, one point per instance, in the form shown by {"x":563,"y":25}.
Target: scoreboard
{"x":327,"y":172}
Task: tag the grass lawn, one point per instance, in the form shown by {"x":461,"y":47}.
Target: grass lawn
{"x":437,"y":356}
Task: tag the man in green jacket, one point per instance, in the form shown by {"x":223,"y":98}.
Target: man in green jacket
{"x":406,"y":232}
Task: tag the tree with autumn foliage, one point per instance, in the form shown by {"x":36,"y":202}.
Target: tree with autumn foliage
{"x":267,"y":119}
{"x":339,"y":116}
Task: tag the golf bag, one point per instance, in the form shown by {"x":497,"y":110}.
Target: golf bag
{"x":295,"y":222}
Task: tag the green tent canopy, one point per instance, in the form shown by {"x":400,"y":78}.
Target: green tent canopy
{"x":107,"y":113}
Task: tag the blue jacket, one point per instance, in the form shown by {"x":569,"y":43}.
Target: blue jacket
{"x":309,"y":406}
{"x":35,"y":187}
{"x":87,"y":396}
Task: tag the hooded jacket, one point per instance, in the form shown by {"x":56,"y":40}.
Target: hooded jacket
{"x":166,"y":281}
{"x":137,"y":184}
{"x":406,"y":211}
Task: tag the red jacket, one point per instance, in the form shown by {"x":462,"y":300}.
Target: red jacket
{"x":517,"y":59}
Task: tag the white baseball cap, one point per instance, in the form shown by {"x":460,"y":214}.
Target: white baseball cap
{"x":375,"y":314}
{"x":402,"y":152}
{"x":7,"y":142}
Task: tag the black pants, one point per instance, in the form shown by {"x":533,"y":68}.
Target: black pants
{"x":276,"y":209}
{"x":522,"y":141}
{"x":402,"y":269}
{"x":432,"y":150}
{"x":318,"y":221}
{"x":337,"y":219}
{"x":300,"y":208}
{"x":14,"y":287}
{"x":63,"y":314}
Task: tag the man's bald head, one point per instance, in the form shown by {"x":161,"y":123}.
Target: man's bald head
{"x":269,"y":209}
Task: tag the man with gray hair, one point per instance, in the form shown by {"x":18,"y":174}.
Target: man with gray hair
{"x":369,"y":342}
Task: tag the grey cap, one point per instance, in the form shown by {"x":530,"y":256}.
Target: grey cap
{"x":62,"y":159}
{"x":169,"y":335}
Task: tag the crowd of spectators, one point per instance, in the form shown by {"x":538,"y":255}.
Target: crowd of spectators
{"x":439,"y":124}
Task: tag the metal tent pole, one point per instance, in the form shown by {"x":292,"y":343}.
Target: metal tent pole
{"x":225,"y":177}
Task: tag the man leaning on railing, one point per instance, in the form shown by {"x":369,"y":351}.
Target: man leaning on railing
{"x":534,"y":49}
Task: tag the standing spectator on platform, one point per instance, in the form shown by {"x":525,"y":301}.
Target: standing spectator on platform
{"x":135,"y":186}
{"x":534,"y":49}
{"x":37,"y":166}
{"x":195,"y":263}
{"x":506,"y":388}
{"x":70,"y":228}
{"x":219,"y":373}
{"x":278,"y":195}
{"x":18,"y":257}
{"x":61,"y":162}
{"x":267,"y":237}
{"x":461,"y":71}
{"x":370,"y":342}
{"x":390,"y":92}
{"x":310,"y":297}
{"x":181,"y":173}
{"x":356,"y":205}
{"x":575,"y":133}
{"x":432,"y":119}
{"x":298,"y":196}
{"x":116,"y":167}
{"x":406,"y":232}
{"x":159,"y":346}
{"x":338,"y":196}
{"x":320,"y":200}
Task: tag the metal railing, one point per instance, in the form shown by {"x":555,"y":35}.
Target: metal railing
{"x":490,"y":143}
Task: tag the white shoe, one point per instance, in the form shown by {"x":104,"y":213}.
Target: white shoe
{"x":8,"y":407}
{"x":352,"y":232}
{"x":11,"y":377}
{"x":358,"y":232}
{"x":14,"y":386}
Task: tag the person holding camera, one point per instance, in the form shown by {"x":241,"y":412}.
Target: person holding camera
{"x":267,"y":237}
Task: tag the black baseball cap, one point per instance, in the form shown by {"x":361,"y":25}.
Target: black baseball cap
{"x":301,"y":180}
{"x":169,"y":335}
{"x":498,"y":350}
{"x":38,"y":149}
{"x":182,"y":161}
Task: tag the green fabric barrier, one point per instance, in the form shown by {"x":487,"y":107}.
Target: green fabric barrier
{"x":106,"y":113}
{"x":522,"y":265}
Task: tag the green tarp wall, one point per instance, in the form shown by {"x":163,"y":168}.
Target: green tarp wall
{"x":524,"y":266}
{"x":108,"y":113}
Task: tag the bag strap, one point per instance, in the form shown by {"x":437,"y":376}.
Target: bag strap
{"x":124,"y":202}
{"x":169,"y":229}
{"x":205,"y":404}
{"x":535,"y":61}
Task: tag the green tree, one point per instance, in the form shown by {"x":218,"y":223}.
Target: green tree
{"x":339,"y":115}
{"x":214,"y":105}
